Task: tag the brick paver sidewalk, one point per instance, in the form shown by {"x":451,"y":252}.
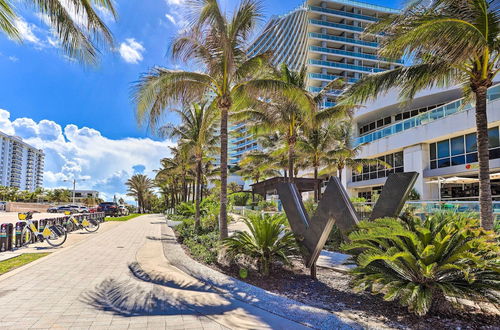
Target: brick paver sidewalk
{"x":89,"y":285}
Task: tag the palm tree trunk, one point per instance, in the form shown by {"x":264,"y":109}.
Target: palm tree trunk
{"x":485,"y":200}
{"x":316,"y":186}
{"x":339,"y":169}
{"x":223,"y":171}
{"x":197,"y":223}
{"x":291,"y":155}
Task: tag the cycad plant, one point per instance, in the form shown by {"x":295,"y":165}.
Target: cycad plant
{"x":450,"y":42}
{"x":78,"y":36}
{"x":421,"y":262}
{"x":268,"y":239}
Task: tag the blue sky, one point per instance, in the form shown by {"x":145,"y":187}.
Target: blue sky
{"x":43,"y":90}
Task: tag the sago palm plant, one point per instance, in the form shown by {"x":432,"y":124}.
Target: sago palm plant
{"x":450,"y":42}
{"x":268,"y":239}
{"x":421,"y":262}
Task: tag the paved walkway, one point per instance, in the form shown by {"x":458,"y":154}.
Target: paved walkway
{"x":98,"y":284}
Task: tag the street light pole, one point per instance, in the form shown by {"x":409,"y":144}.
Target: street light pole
{"x":74,"y":186}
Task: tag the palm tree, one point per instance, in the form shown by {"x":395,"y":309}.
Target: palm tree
{"x":313,"y":146}
{"x":451,"y":42}
{"x":289,"y":117}
{"x":196,"y":134}
{"x":343,"y":154}
{"x":79,"y":37}
{"x":139,"y":186}
{"x":218,"y":44}
{"x":257,"y":165}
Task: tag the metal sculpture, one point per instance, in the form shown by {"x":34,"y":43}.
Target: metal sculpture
{"x":335,"y":207}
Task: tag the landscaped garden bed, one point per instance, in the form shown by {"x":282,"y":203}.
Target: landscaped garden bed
{"x":331,"y":290}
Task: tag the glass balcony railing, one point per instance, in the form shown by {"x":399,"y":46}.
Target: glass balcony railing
{"x":424,"y":118}
{"x":343,"y":13}
{"x":352,"y":54}
{"x":328,"y":104}
{"x":330,"y":77}
{"x":336,"y":25}
{"x":368,"y":6}
{"x":345,"y":66}
{"x":315,"y":89}
{"x":343,"y":39}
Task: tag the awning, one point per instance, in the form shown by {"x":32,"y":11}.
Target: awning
{"x":455,"y":179}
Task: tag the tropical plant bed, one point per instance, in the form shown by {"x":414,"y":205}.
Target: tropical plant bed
{"x":332,"y":292}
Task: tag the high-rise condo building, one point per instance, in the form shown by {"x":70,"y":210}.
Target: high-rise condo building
{"x":326,"y":38}
{"x":21,"y":165}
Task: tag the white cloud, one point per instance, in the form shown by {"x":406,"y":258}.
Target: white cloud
{"x":13,"y":59}
{"x":131,"y":51}
{"x":171,"y":18}
{"x":26,"y":31}
{"x":175,"y":2}
{"x":84,"y":153}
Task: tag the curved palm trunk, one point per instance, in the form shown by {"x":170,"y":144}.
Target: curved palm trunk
{"x":223,"y":172}
{"x":197,"y":223}
{"x":485,"y":200}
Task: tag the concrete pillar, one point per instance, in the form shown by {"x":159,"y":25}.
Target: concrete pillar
{"x":323,"y":44}
{"x":323,"y":57}
{"x":416,"y":159}
{"x":323,"y":4}
{"x":323,"y":30}
{"x":323,"y":17}
{"x":324,"y":71}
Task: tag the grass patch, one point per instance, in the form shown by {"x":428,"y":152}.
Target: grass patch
{"x":16,"y":262}
{"x":124,"y":218}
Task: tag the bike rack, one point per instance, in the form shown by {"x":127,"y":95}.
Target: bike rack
{"x":10,"y":235}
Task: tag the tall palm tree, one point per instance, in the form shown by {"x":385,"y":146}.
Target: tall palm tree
{"x":217,"y":43}
{"x":450,"y":42}
{"x":289,"y":117}
{"x":79,"y":36}
{"x":313,"y":146}
{"x":343,"y":154}
{"x":196,"y":133}
{"x":139,"y":186}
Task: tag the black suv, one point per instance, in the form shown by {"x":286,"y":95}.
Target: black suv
{"x":109,"y":209}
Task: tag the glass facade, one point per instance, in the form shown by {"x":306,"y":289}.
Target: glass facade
{"x":461,"y":150}
{"x":370,"y":172}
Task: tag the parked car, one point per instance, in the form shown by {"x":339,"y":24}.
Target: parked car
{"x":123,"y":210}
{"x":109,"y":209}
{"x":65,"y":208}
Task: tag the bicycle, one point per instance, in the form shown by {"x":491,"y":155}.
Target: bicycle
{"x":73,"y":224}
{"x":55,"y":235}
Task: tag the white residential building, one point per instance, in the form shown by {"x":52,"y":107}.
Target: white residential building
{"x":434,"y":135}
{"x":21,"y":165}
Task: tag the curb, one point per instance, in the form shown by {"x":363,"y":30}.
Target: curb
{"x":292,"y":310}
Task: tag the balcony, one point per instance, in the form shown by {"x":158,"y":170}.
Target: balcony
{"x":343,"y":13}
{"x":330,"y":77}
{"x":424,"y":118}
{"x":352,"y":54}
{"x":336,"y":25}
{"x":332,"y":92}
{"x":343,"y":39}
{"x":344,"y":66}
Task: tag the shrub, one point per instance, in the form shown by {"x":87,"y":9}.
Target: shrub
{"x":268,"y":239}
{"x":204,"y":247}
{"x":185,"y":209}
{"x":421,"y":262}
{"x":240,"y":199}
{"x":267,"y":205}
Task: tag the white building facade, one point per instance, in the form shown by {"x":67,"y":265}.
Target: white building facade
{"x":21,"y":165}
{"x":434,"y":135}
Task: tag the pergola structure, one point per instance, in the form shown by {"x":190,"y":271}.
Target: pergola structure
{"x":268,"y":187}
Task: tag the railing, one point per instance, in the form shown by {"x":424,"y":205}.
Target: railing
{"x":342,"y":13}
{"x":315,"y":89}
{"x":353,"y":54}
{"x":330,"y":77}
{"x":424,"y":118}
{"x":336,"y":25}
{"x":344,"y":66}
{"x":343,"y":39}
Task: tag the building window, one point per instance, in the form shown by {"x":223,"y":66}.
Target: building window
{"x":462,"y":149}
{"x":370,"y":172}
